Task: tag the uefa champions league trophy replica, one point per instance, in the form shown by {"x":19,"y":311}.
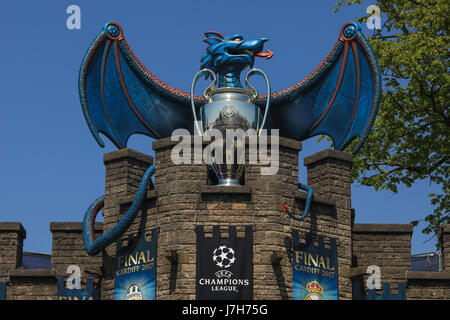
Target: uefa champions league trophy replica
{"x":120,"y":97}
{"x":230,"y":108}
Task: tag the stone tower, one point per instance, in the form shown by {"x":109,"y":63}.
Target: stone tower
{"x":181,"y":198}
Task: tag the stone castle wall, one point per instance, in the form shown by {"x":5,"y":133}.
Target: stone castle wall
{"x":387,"y":246}
{"x":12,"y":235}
{"x":68,"y":249}
{"x":180,"y":198}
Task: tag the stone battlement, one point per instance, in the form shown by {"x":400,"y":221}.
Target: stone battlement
{"x":180,"y":198}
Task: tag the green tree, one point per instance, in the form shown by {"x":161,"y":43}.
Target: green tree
{"x":409,"y":140}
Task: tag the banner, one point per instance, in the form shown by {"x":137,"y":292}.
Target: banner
{"x":2,"y":290}
{"x":315,"y":269}
{"x":135,"y":269}
{"x":224,"y":265}
{"x":77,"y":294}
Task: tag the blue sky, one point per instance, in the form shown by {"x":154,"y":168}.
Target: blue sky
{"x":51,"y":168}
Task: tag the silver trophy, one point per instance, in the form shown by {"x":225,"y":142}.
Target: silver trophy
{"x":230,"y":108}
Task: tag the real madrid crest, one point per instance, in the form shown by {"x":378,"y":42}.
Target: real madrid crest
{"x":315,"y":291}
{"x":134,"y":292}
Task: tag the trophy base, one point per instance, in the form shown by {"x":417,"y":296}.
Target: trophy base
{"x":229,"y":182}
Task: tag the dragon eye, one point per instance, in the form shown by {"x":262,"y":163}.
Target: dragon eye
{"x":237,"y":39}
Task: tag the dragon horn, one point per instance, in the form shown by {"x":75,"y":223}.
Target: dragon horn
{"x":212,"y":34}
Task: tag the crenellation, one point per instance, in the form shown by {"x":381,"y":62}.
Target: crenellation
{"x":12,"y":235}
{"x":179,"y":199}
{"x":444,"y":238}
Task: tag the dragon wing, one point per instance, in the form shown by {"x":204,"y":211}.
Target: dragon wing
{"x":339,"y":98}
{"x":120,"y":97}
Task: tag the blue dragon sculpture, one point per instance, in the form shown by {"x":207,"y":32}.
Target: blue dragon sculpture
{"x":120,"y":97}
{"x":228,"y":56}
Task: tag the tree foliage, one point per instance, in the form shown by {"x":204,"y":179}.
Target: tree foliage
{"x":409,"y":140}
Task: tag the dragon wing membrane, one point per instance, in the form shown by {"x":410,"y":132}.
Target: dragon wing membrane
{"x":120,"y":97}
{"x":339,"y":98}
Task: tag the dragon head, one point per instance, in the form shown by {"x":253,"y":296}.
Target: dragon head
{"x":228,"y":56}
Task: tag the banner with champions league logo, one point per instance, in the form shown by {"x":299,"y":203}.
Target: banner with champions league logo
{"x":135,"y":269}
{"x":224,"y":265}
{"x":315,"y":268}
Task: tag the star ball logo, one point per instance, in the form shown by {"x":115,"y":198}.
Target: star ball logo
{"x":224,"y":257}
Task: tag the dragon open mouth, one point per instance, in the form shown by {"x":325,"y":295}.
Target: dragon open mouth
{"x":268,"y":54}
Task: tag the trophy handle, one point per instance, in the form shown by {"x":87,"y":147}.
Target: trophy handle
{"x":206,"y":93}
{"x":255,"y":93}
